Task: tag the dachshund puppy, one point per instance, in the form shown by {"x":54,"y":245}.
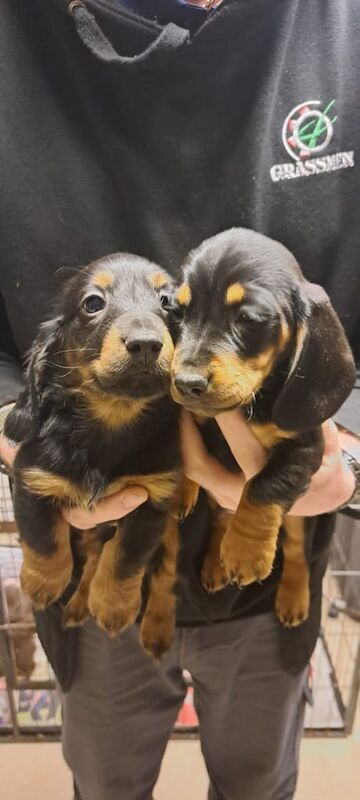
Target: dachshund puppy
{"x":18,"y":611}
{"x":96,"y":417}
{"x":254,"y":333}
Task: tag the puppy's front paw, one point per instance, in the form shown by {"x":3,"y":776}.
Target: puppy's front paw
{"x":115,"y":604}
{"x":245,"y":561}
{"x":293,"y":599}
{"x":213,"y":575}
{"x":113,"y":620}
{"x":188,"y":498}
{"x":76,"y":610}
{"x":249,"y":545}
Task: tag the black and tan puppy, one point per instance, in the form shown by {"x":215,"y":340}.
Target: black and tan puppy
{"x":96,"y":417}
{"x":254,"y":333}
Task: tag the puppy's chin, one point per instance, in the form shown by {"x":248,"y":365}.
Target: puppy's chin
{"x":135,"y":386}
{"x":208,"y":406}
{"x":207,"y":410}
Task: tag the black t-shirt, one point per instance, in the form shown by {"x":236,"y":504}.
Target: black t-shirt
{"x":119,"y":133}
{"x":181,"y":12}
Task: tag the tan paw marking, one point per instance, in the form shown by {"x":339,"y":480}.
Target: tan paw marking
{"x":189,"y":494}
{"x":77,"y":610}
{"x":292,"y":601}
{"x":245,"y":562}
{"x":44,"y":579}
{"x":115,"y":604}
{"x":249,"y":545}
{"x":213,"y":575}
{"x":156,"y":634}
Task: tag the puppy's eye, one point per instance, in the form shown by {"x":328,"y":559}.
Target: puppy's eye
{"x":165,"y":301}
{"x":93,"y":303}
{"x":243,"y":317}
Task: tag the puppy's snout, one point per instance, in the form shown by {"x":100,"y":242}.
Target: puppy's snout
{"x":145,"y":346}
{"x":191,"y":384}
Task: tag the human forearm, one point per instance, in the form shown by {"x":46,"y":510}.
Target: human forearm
{"x":226,"y":487}
{"x":11,"y":378}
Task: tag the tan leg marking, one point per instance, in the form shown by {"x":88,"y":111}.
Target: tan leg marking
{"x":189,"y":493}
{"x":158,"y":623}
{"x":293,"y":595}
{"x":45,"y":577}
{"x":114,"y":602}
{"x":77,"y":609}
{"x":249,"y":545}
{"x":213,"y":575}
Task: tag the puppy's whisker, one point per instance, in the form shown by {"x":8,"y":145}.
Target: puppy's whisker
{"x":60,"y":270}
{"x":250,"y":411}
{"x":52,"y":364}
{"x":75,"y":350}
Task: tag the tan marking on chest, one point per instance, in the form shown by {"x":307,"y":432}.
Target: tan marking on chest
{"x":114,"y":412}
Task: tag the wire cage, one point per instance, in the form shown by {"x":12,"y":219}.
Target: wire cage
{"x":30,"y":704}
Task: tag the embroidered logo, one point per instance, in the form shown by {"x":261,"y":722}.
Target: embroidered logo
{"x":306,"y":133}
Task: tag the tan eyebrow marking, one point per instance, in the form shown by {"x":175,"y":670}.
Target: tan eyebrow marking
{"x":184,"y":295}
{"x":158,"y":280}
{"x":235,"y":293}
{"x":103,"y":279}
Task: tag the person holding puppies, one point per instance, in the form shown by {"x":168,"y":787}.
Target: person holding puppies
{"x":147,"y":127}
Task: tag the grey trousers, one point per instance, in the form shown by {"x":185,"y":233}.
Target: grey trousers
{"x":119,"y":713}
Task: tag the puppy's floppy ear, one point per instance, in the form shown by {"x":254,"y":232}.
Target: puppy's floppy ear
{"x":322,"y":372}
{"x":24,"y":420}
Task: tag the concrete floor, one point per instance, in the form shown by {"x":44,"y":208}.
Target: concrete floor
{"x":330,"y":770}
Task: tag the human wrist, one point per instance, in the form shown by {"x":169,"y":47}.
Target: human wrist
{"x":246,"y":449}
{"x":197,"y":468}
{"x":6,"y":448}
{"x":352,"y":467}
{"x":326,"y":496}
{"x":350,"y":445}
{"x":225,"y":486}
{"x":4,"y":411}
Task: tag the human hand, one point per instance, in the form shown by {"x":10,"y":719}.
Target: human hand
{"x":333,"y":484}
{"x":202,"y":468}
{"x":110,"y":508}
{"x":7,"y":451}
{"x":330,"y":487}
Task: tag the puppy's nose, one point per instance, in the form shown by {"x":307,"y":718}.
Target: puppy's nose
{"x":192,"y":384}
{"x":144,"y":346}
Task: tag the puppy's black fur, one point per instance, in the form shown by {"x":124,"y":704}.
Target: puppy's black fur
{"x":252,"y":332}
{"x":96,"y":416}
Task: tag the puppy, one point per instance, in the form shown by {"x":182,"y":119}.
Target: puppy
{"x":96,"y":417}
{"x":254,"y":333}
{"x":22,"y":639}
